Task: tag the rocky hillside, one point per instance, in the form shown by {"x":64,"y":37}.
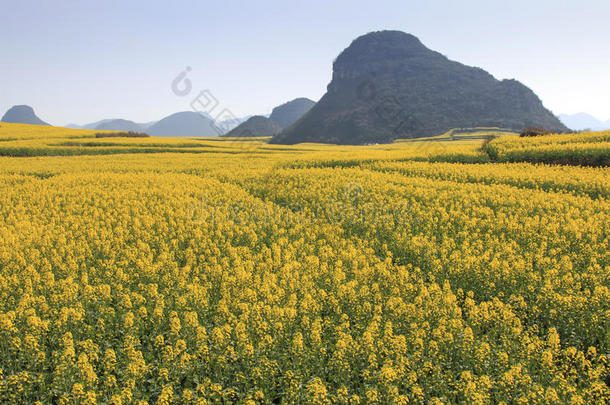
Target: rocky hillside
{"x":22,"y":114}
{"x":388,"y":85}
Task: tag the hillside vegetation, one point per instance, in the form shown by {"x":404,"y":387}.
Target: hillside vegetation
{"x":219,"y":270}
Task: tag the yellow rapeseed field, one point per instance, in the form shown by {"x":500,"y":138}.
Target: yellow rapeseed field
{"x":197,"y":271}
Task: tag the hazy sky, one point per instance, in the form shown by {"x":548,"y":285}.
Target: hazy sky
{"x":80,"y":61}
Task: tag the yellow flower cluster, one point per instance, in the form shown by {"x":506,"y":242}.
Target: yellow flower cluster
{"x":306,"y":275}
{"x":584,"y":149}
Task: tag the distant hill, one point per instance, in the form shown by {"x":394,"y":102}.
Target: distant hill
{"x":184,"y":124}
{"x":91,"y":125}
{"x":229,"y":124}
{"x":255,"y":126}
{"x":581,"y":121}
{"x":388,"y":85}
{"x":145,"y":125}
{"x":22,"y":114}
{"x":288,"y":113}
{"x":119,"y":125}
{"x":95,"y":125}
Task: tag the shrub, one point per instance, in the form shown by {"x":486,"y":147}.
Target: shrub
{"x":534,"y":131}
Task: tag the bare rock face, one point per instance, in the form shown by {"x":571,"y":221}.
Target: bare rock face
{"x":388,"y":85}
{"x":22,"y":114}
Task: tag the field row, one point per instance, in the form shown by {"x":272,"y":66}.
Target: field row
{"x":313,"y":285}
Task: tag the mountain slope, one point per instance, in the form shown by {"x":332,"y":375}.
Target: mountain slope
{"x":184,"y":124}
{"x":22,"y":114}
{"x":388,"y":85}
{"x":255,"y":126}
{"x":288,"y":113}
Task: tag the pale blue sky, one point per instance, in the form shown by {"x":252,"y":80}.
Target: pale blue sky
{"x":80,"y":61}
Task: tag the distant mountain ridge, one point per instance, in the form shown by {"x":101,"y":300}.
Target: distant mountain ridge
{"x":91,"y":125}
{"x":180,"y":124}
{"x":388,"y":85}
{"x":186,"y":123}
{"x":22,"y":114}
{"x":582,"y":121}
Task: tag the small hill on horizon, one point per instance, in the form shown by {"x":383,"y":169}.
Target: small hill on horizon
{"x":184,"y":124}
{"x":22,"y":114}
{"x":288,"y":113}
{"x":582,"y":121}
{"x":255,"y":126}
{"x":119,"y":125}
{"x":387,"y":85}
